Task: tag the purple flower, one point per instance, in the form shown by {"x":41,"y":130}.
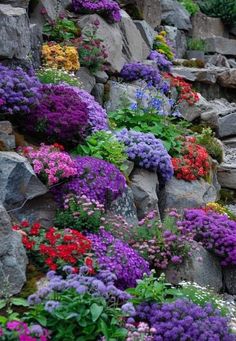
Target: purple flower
{"x":51,"y":305}
{"x":163,"y":63}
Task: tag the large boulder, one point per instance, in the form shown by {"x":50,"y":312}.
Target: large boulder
{"x":227,"y":79}
{"x":112,"y":37}
{"x":13,"y":258}
{"x":230,"y":279}
{"x":180,"y":194}
{"x":14,"y":32}
{"x":86,"y":78}
{"x":147,"y":32}
{"x":205,"y":27}
{"x":145,"y":186}
{"x":200,"y":267}
{"x":227,"y":175}
{"x":16,"y":3}
{"x":36,"y":39}
{"x":174,"y":14}
{"x":178,"y":40}
{"x":18,"y":182}
{"x":192,"y":112}
{"x":221,"y":45}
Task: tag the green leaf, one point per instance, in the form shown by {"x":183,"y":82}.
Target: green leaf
{"x":96,"y":311}
{"x":3,"y":319}
{"x":20,"y":302}
{"x":2,"y":304}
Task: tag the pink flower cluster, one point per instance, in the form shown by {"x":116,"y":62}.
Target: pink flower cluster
{"x":50,"y":163}
{"x":24,"y":332}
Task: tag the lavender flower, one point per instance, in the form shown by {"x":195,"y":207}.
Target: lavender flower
{"x":51,"y":305}
{"x":163,"y":63}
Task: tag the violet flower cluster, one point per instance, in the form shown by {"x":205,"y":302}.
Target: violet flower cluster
{"x":61,"y":116}
{"x":50,"y":164}
{"x":184,"y":320}
{"x":18,"y":330}
{"x":18,"y":91}
{"x":97,"y":116}
{"x":135,"y":71}
{"x":96,"y":179}
{"x":163,"y":63}
{"x":103,"y":284}
{"x":216,"y":232}
{"x":147,"y":152}
{"x":118,"y":257}
{"x":108,"y":9}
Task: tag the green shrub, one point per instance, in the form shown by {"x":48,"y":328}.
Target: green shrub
{"x":60,"y":30}
{"x":224,"y":9}
{"x":196,"y":44}
{"x":190,"y":6}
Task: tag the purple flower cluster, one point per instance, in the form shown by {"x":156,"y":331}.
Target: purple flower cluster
{"x":114,"y":255}
{"x":103,"y":284}
{"x":18,"y":330}
{"x":18,"y":91}
{"x":184,"y":320}
{"x":96,"y":179}
{"x":147,"y":152}
{"x":97,"y":116}
{"x":135,"y":71}
{"x":216,"y":232}
{"x":61,"y":116}
{"x":108,"y":9}
{"x":163,"y":63}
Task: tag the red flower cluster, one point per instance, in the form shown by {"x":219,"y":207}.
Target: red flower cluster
{"x":194,"y":163}
{"x":184,"y":89}
{"x":55,"y":248}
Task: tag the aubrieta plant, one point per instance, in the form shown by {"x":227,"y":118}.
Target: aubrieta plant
{"x":109,"y":9}
{"x":147,"y":152}
{"x":19,"y":91}
{"x":215,"y":231}
{"x":89,"y":307}
{"x":96,"y":179}
{"x":50,"y":163}
{"x":82,"y":213}
{"x":161,"y":60}
{"x":104,"y":145}
{"x":118,"y":257}
{"x":163,"y":46}
{"x":55,"y":76}
{"x":56,"y":118}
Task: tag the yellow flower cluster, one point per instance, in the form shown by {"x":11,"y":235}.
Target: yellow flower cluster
{"x":214,"y":206}
{"x":161,"y":45}
{"x":60,"y":57}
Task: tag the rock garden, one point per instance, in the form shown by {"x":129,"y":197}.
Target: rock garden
{"x":118,"y":170}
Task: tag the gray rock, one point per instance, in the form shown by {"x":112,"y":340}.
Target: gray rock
{"x":18,"y":182}
{"x":191,"y":112}
{"x":232,"y":29}
{"x":41,"y":209}
{"x":174,"y":14}
{"x":232,"y":63}
{"x":201,"y":267}
{"x":134,"y":46}
{"x":112,"y":37}
{"x":98,"y":93}
{"x":227,"y":175}
{"x":229,"y":275}
{"x":145,"y":186}
{"x":13,"y":258}
{"x":182,"y":194}
{"x":184,"y":72}
{"x":36,"y":39}
{"x":129,"y":166}
{"x":124,"y":206}
{"x":205,"y":27}
{"x":16,"y":3}
{"x":178,"y":39}
{"x":147,"y":32}
{"x":87,"y":79}
{"x":221,"y":45}
{"x":227,"y":79}
{"x":7,"y":140}
{"x":14,"y":32}
{"x":218,"y":60}
{"x":101,"y":77}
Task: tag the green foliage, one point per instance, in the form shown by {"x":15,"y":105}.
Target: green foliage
{"x":212,"y":145}
{"x":61,"y":30}
{"x":224,"y":9}
{"x":103,"y":145}
{"x":194,"y":63}
{"x":80,"y":317}
{"x":196,"y":44}
{"x":79,"y":213}
{"x":57,"y":76}
{"x":191,"y":6}
{"x":166,"y":128}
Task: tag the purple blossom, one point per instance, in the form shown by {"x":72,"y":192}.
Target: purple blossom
{"x":108,"y":9}
{"x":96,"y":179}
{"x":119,"y":258}
{"x":163,"y":63}
{"x":19,"y":91}
{"x":51,"y":305}
{"x":184,"y":320}
{"x":147,"y":152}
